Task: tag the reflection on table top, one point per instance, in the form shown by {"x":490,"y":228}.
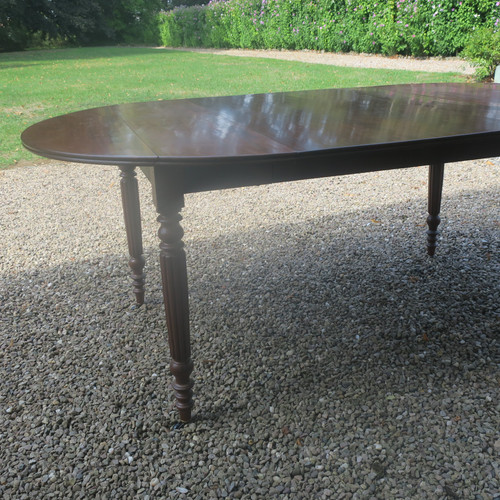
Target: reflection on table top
{"x":268,"y":124}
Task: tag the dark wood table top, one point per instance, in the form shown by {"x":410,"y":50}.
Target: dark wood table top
{"x":252,"y":128}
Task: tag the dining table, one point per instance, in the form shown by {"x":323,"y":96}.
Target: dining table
{"x":212,"y":143}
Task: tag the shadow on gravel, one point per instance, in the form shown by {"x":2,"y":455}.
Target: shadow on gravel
{"x":321,"y":327}
{"x":322,"y":289}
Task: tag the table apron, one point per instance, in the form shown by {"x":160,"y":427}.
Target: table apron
{"x":173,"y":178}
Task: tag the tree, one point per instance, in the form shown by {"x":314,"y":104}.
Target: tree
{"x":78,"y":21}
{"x":13,"y":34}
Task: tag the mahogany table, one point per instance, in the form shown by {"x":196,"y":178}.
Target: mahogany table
{"x":191,"y":145}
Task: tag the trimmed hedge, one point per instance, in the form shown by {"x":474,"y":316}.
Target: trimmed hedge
{"x":409,"y":27}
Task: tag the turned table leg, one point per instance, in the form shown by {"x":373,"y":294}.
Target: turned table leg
{"x":175,"y":295}
{"x":132,"y":216}
{"x":436,"y":172}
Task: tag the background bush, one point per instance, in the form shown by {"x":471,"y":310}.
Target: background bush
{"x":408,"y":27}
{"x":483,"y":51}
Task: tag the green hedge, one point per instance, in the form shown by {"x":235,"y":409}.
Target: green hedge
{"x":410,"y":27}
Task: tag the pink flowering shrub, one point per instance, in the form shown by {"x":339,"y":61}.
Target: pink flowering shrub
{"x":411,"y":27}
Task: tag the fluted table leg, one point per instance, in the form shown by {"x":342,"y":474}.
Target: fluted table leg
{"x":436,"y":172}
{"x":132,"y":216}
{"x":175,"y":295}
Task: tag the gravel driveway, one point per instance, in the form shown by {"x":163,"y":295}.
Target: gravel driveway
{"x":333,"y":358}
{"x":433,"y":64}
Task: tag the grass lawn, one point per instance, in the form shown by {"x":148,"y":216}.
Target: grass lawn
{"x":41,"y":84}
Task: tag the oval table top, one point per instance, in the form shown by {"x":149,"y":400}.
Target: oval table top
{"x":198,"y":130}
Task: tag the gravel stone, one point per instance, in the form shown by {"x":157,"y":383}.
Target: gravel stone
{"x":333,"y":358}
{"x":352,"y":60}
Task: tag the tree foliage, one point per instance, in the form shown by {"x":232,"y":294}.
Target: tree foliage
{"x":77,"y":21}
